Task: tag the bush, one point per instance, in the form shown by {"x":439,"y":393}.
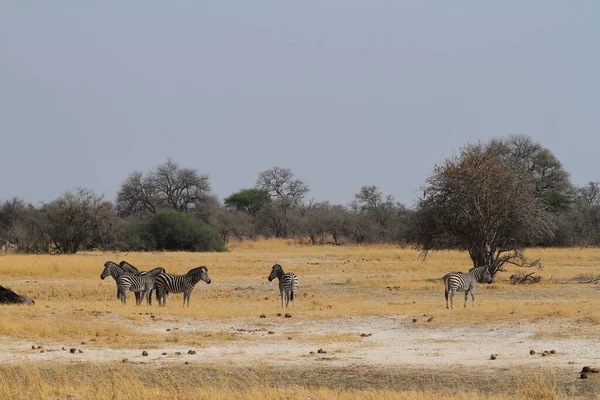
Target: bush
{"x":177,"y":230}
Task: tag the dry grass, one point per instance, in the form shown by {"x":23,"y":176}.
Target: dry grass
{"x":126,"y":381}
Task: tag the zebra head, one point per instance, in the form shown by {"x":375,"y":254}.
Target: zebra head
{"x":201,"y":273}
{"x":276,"y":272}
{"x":109,"y":268}
{"x":487,"y":276}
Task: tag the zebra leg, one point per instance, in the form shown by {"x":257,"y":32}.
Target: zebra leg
{"x":158,"y":297}
{"x":452,"y":293}
{"x":123,"y":296}
{"x":473,"y":297}
{"x":446,"y":294}
{"x":466,"y":296}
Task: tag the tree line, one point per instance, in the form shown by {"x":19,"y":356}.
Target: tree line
{"x":490,"y":199}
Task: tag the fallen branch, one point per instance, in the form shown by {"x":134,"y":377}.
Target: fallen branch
{"x":524,"y":279}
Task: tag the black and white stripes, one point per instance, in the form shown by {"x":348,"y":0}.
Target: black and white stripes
{"x":460,"y":282}
{"x":142,"y":282}
{"x":169,"y":283}
{"x":288,"y":284}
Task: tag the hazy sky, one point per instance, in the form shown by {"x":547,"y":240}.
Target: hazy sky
{"x":345,"y":93}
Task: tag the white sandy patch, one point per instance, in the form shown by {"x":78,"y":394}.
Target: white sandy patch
{"x":394,"y":341}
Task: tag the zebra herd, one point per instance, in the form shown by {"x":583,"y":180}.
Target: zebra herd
{"x":129,"y":278}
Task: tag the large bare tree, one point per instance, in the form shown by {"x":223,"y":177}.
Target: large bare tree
{"x":167,"y":187}
{"x":484,"y":202}
{"x":281,"y":185}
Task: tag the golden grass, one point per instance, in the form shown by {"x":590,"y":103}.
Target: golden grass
{"x":335,"y":281}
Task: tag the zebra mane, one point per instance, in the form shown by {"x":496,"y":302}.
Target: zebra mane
{"x":112,"y":264}
{"x":128,"y":267}
{"x":154,"y":272}
{"x":196,"y":271}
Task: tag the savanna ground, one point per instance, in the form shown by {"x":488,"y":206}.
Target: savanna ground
{"x":377,"y":313}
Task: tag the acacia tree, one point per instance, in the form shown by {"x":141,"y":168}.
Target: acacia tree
{"x":485,"y":203}
{"x":167,"y":187}
{"x":250,"y":201}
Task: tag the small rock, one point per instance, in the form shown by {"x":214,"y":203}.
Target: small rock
{"x":288,"y":315}
{"x":64,"y":348}
{"x":164,"y":354}
{"x":429,"y":319}
{"x":583,"y":375}
{"x":125,"y":360}
{"x":82,"y":342}
{"x":271,"y":332}
{"x":586,"y":369}
{"x":552,"y":351}
{"x":33,"y":347}
{"x":289,"y":338}
{"x":366,"y":334}
{"x":312,"y":352}
{"x":532,"y":352}
{"x":321,"y":351}
{"x":39,"y":347}
{"x":279,"y":314}
{"x":545,"y":353}
{"x":168,"y":329}
{"x":72,"y":350}
{"x":414,"y":320}
{"x":263,"y":316}
{"x":594,"y":370}
{"x":42,"y":351}
{"x":177,"y":353}
{"x":186,"y":363}
{"x":80,"y":351}
{"x":493,"y":356}
{"x":192,"y":352}
{"x":144,"y":353}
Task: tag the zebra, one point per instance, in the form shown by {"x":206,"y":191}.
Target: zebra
{"x":127,"y":267}
{"x":169,"y":283}
{"x":288,"y":283}
{"x":143,"y":282}
{"x":459,"y":282}
{"x":115,"y":270}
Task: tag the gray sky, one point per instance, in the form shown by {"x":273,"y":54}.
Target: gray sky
{"x":345,"y":93}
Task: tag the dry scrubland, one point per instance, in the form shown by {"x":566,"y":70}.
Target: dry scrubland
{"x":345,"y":291}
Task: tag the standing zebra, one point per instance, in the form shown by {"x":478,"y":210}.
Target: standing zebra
{"x":459,"y":282}
{"x":116,"y":270}
{"x":169,"y":283}
{"x":131,"y":269}
{"x":288,"y":283}
{"x":142,"y":282}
